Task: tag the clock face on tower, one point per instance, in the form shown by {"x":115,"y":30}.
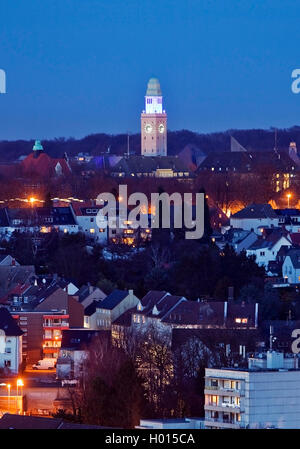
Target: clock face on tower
{"x":161,"y":128}
{"x":148,"y":128}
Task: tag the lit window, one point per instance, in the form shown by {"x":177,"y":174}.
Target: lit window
{"x":92,"y":231}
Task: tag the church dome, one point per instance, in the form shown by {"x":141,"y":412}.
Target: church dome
{"x":37,"y":146}
{"x":153,"y":88}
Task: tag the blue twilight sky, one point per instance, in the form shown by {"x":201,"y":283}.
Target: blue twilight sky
{"x":76,"y":67}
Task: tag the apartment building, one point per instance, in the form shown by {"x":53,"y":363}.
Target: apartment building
{"x":264,"y":395}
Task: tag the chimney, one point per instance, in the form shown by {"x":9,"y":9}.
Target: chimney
{"x":256,"y":314}
{"x":225,"y":311}
{"x":292,"y":149}
{"x":230,"y":293}
{"x":90,"y":287}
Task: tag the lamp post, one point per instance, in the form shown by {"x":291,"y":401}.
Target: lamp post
{"x":20,"y":384}
{"x":8,"y":391}
{"x":288,"y":198}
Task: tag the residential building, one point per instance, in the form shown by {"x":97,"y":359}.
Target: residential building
{"x":151,"y":167}
{"x":179,"y":423}
{"x":216,"y":314}
{"x":37,"y":220}
{"x":281,"y":165}
{"x":114,"y":305}
{"x":44,"y":319}
{"x":13,"y":277}
{"x":88,"y":223}
{"x":74,"y":351}
{"x":252,"y":217}
{"x":87,"y":294}
{"x":39,"y":163}
{"x":7,"y":260}
{"x":266,"y":248}
{"x":10,"y":343}
{"x":264,"y":395}
{"x":291,"y":266}
{"x":238,"y":239}
{"x":15,"y":421}
{"x":290,"y":219}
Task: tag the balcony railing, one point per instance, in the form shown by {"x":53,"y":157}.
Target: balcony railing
{"x":226,"y":423}
{"x":223,"y":405}
{"x":224,"y":389}
{"x":54,"y":325}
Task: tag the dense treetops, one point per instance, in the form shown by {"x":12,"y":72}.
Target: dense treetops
{"x":252,"y":139}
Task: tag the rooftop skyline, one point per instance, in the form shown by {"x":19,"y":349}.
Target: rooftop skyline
{"x":74,"y":68}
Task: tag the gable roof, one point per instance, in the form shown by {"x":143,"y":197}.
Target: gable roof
{"x":153,"y":297}
{"x":43,"y":165}
{"x":112,"y":300}
{"x":91,"y":309}
{"x":245,"y":162}
{"x":210,"y":313}
{"x":41,"y":216}
{"x":149,"y":164}
{"x":8,"y":324}
{"x":11,"y":276}
{"x":76,"y":339}
{"x":11,"y":421}
{"x":294,"y":255}
{"x":255,"y":211}
{"x":269,"y":241}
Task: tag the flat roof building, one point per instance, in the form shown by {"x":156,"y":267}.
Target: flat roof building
{"x":264,"y":395}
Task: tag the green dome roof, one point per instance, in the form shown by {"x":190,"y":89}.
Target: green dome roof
{"x":37,"y":146}
{"x":153,"y":88}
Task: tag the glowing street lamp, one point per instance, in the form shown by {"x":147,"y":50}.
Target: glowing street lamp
{"x":8,"y":391}
{"x":288,"y":198}
{"x":19,"y":384}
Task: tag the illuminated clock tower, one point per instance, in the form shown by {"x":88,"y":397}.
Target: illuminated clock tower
{"x":154,"y":122}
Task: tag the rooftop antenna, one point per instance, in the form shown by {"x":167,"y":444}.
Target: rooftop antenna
{"x":271,"y":338}
{"x":275,"y":140}
{"x":128,"y":144}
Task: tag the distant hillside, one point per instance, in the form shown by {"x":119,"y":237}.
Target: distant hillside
{"x":252,"y":139}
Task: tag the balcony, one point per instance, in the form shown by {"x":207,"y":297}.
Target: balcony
{"x":50,"y":349}
{"x":221,"y":391}
{"x":222,"y":406}
{"x":224,"y":424}
{"x":62,"y":325}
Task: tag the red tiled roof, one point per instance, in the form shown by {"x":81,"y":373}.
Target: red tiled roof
{"x":43,"y":165}
{"x":295,"y":237}
{"x":17,"y":290}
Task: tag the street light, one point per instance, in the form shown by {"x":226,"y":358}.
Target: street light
{"x":288,"y":198}
{"x":19,"y":384}
{"x":8,"y":390}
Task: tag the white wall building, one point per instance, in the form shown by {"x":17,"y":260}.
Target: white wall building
{"x":266,"y":250}
{"x":266,"y":395}
{"x":10,"y":342}
{"x":291,"y":267}
{"x":254,"y":217}
{"x":180,"y":423}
